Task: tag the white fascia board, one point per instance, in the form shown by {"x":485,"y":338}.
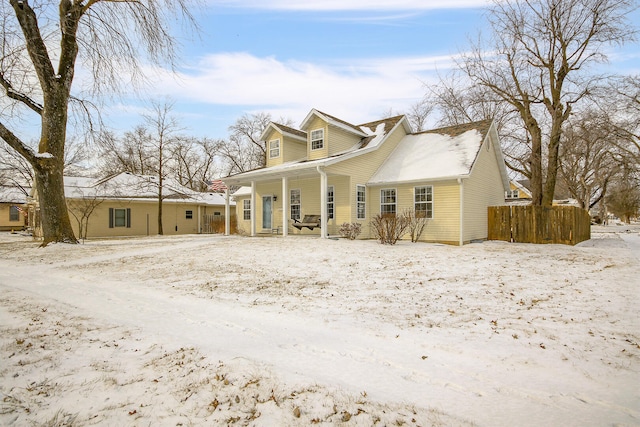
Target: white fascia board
{"x":417,"y":181}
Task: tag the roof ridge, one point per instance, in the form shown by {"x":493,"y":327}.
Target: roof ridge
{"x":454,"y":130}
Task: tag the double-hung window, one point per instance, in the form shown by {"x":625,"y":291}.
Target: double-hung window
{"x":360,"y":201}
{"x":295,"y":204}
{"x":188,"y":214}
{"x":388,"y":201}
{"x":330,"y":205}
{"x":274,"y":148}
{"x":317,"y":139}
{"x":14,"y":213}
{"x":423,"y":201}
{"x":246,"y":209}
{"x":119,"y":217}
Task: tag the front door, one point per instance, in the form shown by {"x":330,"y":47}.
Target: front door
{"x":267,"y":201}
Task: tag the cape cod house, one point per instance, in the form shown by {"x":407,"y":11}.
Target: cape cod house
{"x":332,"y":172}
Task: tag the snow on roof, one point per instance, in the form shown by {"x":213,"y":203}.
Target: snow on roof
{"x":12,"y":194}
{"x":127,"y":185}
{"x":428,"y":156}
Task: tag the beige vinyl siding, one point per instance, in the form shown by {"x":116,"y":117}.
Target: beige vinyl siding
{"x":274,"y":135}
{"x":317,"y":123}
{"x":292,"y":149}
{"x":144,"y":218}
{"x":482,"y":189}
{"x":444,"y":227}
{"x":341,"y":140}
{"x":244,"y":225}
{"x":5,"y":214}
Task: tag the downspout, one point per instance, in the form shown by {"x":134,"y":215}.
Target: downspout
{"x":227,"y":213}
{"x":461,"y":183}
{"x":323,"y":202}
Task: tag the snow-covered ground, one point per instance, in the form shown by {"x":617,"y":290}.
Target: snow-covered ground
{"x":214,"y":330}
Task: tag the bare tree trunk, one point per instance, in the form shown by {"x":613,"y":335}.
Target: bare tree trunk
{"x":56,"y":226}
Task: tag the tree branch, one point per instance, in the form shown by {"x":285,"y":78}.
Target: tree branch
{"x":15,"y":143}
{"x":21,"y":97}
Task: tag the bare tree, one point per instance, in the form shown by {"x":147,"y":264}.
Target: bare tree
{"x":163,"y":132}
{"x":131,"y":153}
{"x":41,"y":44}
{"x":195,"y":162}
{"x":590,"y":159}
{"x":244,"y":150}
{"x":538,"y":63}
{"x":81,"y":207}
{"x":624,"y":198}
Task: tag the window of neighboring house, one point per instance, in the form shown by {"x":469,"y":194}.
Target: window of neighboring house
{"x":513,"y":194}
{"x":274,"y":148}
{"x":330,"y":205}
{"x":14,"y":213}
{"x":188,"y":215}
{"x":388,"y":201}
{"x":317,"y":139}
{"x":360,"y":201}
{"x":295,"y":204}
{"x":246,"y":209}
{"x":119,"y":217}
{"x":423,"y":201}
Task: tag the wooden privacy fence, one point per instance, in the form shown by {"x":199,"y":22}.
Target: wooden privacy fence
{"x":536,"y":224}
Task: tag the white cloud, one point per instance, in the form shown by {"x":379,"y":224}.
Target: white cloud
{"x":359,"y":91}
{"x":369,"y":5}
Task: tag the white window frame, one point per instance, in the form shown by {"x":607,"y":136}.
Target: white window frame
{"x":295,"y":204}
{"x":425,"y":199}
{"x":188,"y":214}
{"x":331,"y":195}
{"x":384,"y":203}
{"x":274,"y":148}
{"x":119,"y":220}
{"x":361,"y":189}
{"x":246,"y":209}
{"x":317,"y":143}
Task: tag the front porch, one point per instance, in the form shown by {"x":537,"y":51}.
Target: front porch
{"x":274,"y":205}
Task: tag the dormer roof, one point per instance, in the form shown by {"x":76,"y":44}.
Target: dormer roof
{"x":332,"y":121}
{"x":285,"y":130}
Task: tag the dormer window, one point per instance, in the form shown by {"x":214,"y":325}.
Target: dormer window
{"x":274,"y":148}
{"x":317,"y":139}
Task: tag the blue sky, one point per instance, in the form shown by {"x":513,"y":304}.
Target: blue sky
{"x":355,"y":59}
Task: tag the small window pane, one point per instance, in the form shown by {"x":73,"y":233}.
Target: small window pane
{"x":246,"y":209}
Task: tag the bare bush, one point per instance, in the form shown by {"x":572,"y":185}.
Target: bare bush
{"x":417,"y":221}
{"x":350,"y":230}
{"x":389,"y":228}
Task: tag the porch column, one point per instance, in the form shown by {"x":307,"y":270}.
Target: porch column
{"x":199,"y":223}
{"x":323,"y":202}
{"x":285,"y":206}
{"x":227,"y":213}
{"x":253,"y":208}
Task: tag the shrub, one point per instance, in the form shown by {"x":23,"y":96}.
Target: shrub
{"x":388,"y":229}
{"x":350,"y":230}
{"x":416,"y":224}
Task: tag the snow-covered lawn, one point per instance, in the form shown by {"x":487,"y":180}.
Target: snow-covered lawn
{"x":214,"y":330}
